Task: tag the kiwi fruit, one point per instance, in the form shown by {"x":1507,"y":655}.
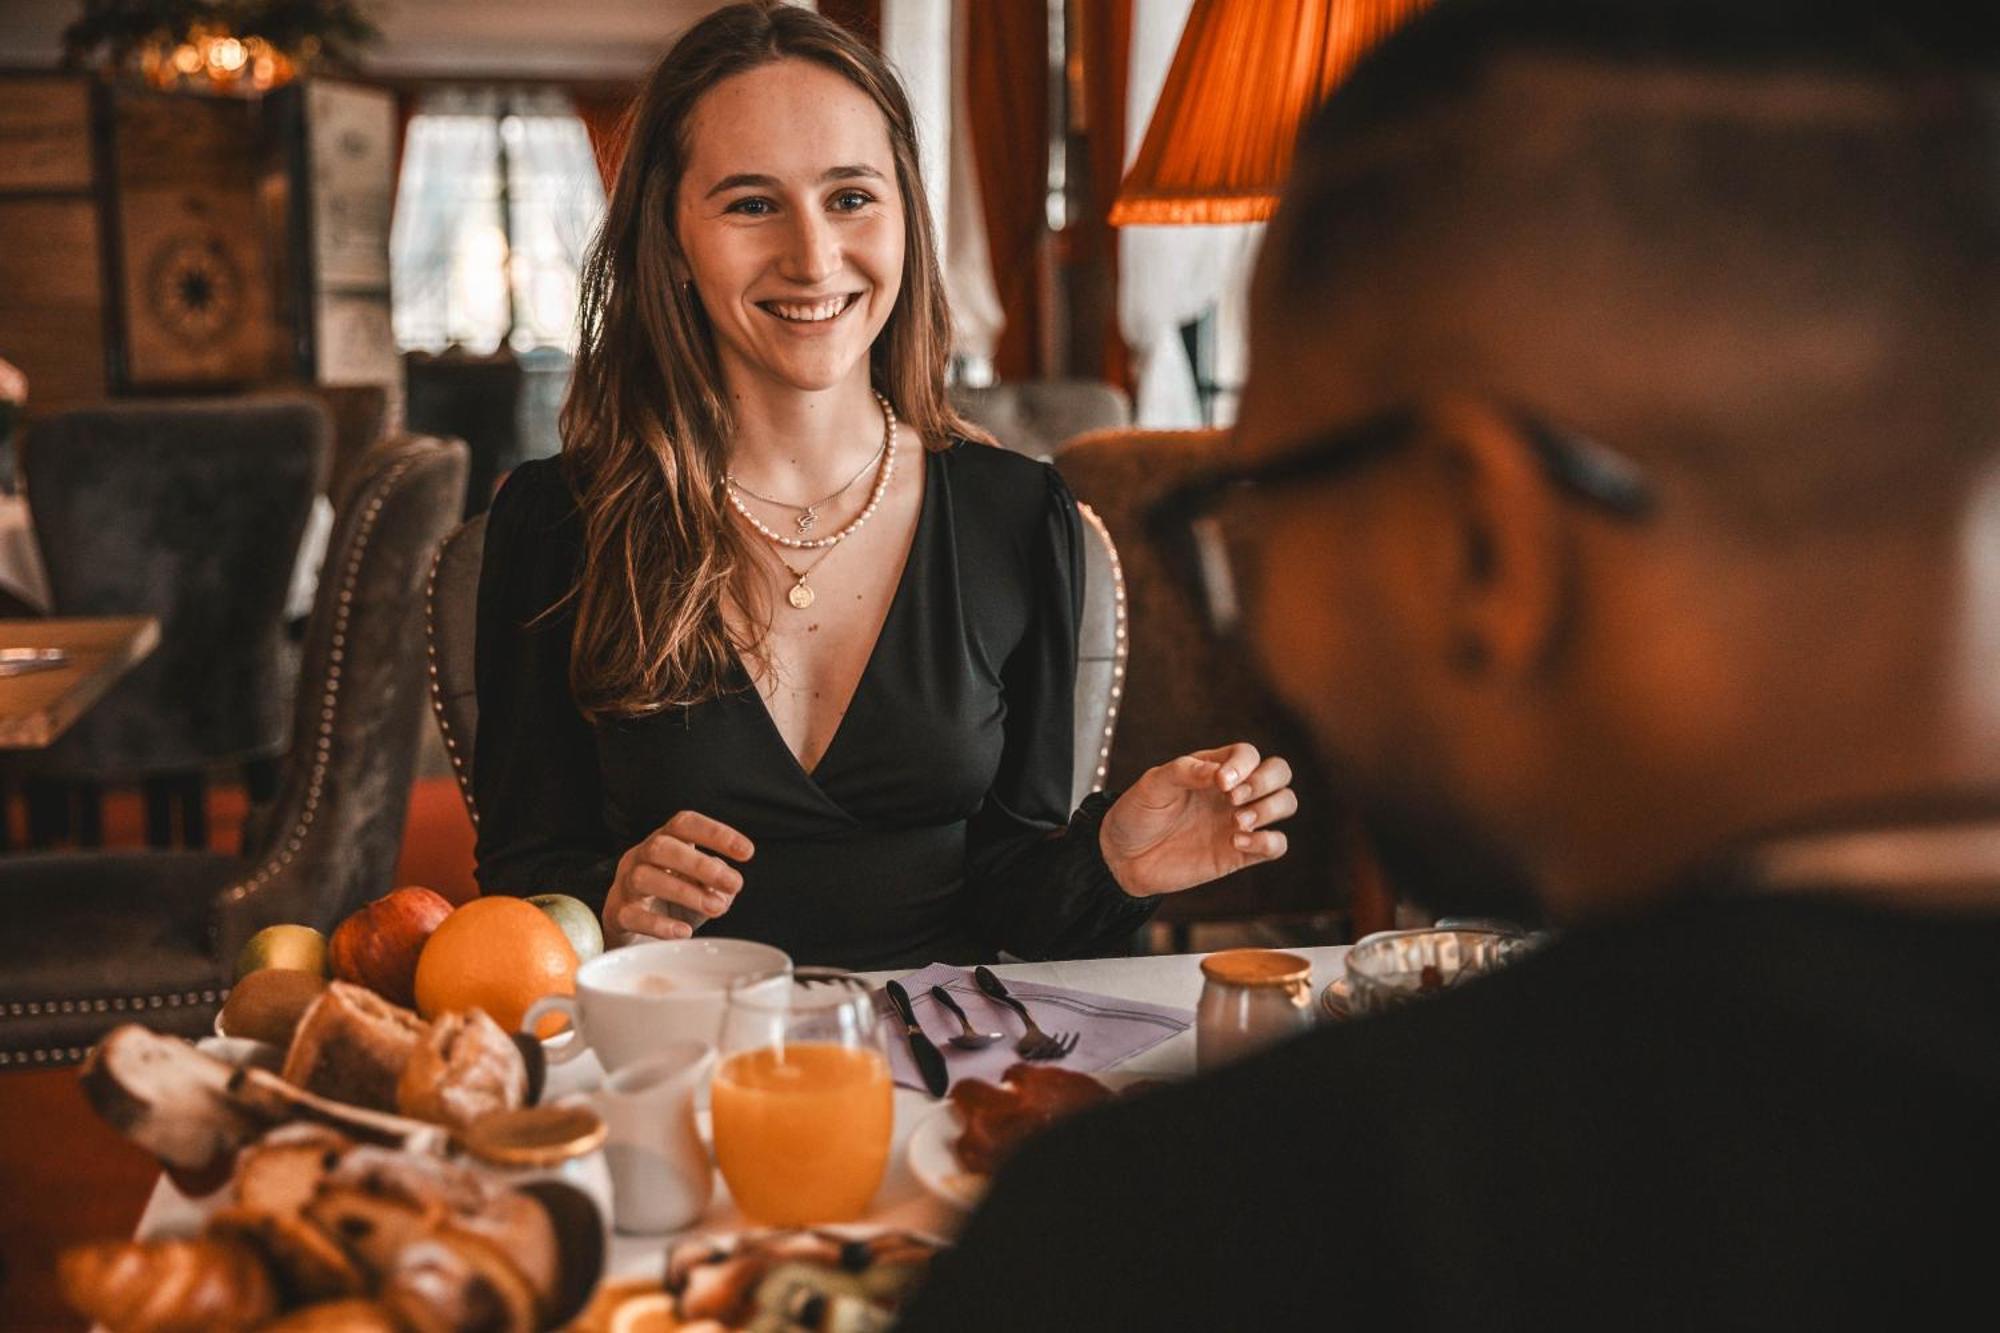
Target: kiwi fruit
{"x":267,"y":1004}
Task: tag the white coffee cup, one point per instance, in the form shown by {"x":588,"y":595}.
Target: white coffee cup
{"x":633,"y":1002}
{"x":661,"y":1176}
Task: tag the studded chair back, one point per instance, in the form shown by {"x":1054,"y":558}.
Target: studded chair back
{"x":338,"y":819}
{"x":1100,"y":665}
{"x":451,"y":621}
{"x":190,"y":512}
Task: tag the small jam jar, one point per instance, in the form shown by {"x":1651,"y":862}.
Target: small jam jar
{"x":563,"y":1143}
{"x":1249,"y":999}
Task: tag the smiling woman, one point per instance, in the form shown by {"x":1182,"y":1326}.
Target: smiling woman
{"x":779,"y":647}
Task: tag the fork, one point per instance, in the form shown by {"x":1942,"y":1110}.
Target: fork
{"x":1034,"y":1044}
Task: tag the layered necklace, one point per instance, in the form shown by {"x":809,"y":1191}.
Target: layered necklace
{"x":884,"y":461}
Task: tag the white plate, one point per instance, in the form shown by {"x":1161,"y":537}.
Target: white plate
{"x":934,"y":1164}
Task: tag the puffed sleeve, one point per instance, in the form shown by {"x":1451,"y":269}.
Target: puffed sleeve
{"x":534,"y":773}
{"x":1037,"y":880}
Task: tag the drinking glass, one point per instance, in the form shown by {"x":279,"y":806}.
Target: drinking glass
{"x":801,"y":1099}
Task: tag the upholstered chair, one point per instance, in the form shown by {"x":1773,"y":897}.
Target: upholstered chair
{"x":1182,"y":692}
{"x":452,"y":620}
{"x":1034,"y":417}
{"x":190,"y":512}
{"x":88,"y":940}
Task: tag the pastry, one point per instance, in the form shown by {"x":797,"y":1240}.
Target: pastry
{"x":168,"y":1286}
{"x":282,"y":1171}
{"x":352,"y":1046}
{"x":349,"y":1316}
{"x":1028,"y":1099}
{"x":451,"y":1283}
{"x":465,"y":1066}
{"x":308,"y":1264}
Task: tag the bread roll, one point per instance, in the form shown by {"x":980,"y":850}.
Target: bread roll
{"x":352,"y":1046}
{"x":168,"y":1286}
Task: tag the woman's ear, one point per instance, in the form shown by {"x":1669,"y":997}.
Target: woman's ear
{"x":1508,"y":600}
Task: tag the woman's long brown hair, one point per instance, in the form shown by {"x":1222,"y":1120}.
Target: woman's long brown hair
{"x":646,"y":420}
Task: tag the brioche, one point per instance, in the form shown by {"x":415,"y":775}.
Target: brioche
{"x":465,"y":1066}
{"x":352,"y":1046}
{"x":168,"y":1286}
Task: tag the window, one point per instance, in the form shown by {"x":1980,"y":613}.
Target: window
{"x":498,"y":199}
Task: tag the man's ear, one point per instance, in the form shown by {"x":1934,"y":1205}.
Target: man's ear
{"x":1509,"y":597}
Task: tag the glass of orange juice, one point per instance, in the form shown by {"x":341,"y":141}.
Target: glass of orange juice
{"x":801,"y":1099}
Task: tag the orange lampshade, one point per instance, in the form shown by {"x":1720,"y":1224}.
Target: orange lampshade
{"x":1244,"y":77}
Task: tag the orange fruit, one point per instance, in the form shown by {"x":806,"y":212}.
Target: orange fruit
{"x":498,"y":954}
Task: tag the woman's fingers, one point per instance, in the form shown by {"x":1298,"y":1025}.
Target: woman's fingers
{"x":641,"y":917}
{"x":1233,"y":763}
{"x":1273,"y":775}
{"x":1266,"y":845}
{"x":670,"y":853}
{"x":701,"y":831}
{"x":674,"y":886}
{"x":1280,"y":804}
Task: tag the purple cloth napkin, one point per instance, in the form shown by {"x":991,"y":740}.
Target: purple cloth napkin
{"x":1109,"y":1030}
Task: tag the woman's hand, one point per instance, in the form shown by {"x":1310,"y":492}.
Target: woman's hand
{"x":669,"y":884}
{"x":1197,"y":819}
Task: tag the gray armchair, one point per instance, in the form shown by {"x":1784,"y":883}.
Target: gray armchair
{"x":92,"y":939}
{"x":190,"y":512}
{"x":1034,"y":417}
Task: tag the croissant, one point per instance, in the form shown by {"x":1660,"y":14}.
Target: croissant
{"x":168,"y":1286}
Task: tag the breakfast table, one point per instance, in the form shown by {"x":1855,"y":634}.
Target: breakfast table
{"x":901,"y":1202}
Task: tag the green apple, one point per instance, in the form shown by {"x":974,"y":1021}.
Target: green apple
{"x":296,"y":948}
{"x":577,"y":921}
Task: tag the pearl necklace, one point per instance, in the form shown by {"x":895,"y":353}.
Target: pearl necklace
{"x":801,"y":596}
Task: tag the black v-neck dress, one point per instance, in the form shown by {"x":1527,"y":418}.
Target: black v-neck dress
{"x":935,"y":827}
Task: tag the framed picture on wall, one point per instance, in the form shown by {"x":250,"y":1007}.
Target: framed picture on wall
{"x":197,"y":201}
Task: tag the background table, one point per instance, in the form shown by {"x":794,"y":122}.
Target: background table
{"x":38,"y":706}
{"x":901,"y":1201}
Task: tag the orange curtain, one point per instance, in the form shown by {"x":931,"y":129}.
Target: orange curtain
{"x":603,"y":117}
{"x":1007,"y":95}
{"x":1104,"y":50}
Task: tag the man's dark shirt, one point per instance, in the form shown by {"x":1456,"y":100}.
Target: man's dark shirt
{"x":1745,"y":1112}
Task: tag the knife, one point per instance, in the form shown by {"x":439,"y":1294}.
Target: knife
{"x":930,"y":1060}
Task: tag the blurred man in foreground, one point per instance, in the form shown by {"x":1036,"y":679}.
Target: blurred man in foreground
{"x":1619,"y":503}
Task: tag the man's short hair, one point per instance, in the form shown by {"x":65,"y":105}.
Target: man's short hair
{"x":1817,"y":180}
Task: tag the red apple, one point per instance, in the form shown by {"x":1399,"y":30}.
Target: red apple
{"x":377,"y":946}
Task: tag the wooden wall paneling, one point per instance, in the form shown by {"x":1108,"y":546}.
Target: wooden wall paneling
{"x":44,"y":134}
{"x":51,"y":300}
{"x":51,"y":282}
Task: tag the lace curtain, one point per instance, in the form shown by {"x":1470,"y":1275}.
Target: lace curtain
{"x":499,"y":196}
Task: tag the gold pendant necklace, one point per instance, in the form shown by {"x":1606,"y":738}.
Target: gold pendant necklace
{"x":799,"y":595}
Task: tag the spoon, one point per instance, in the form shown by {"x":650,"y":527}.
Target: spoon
{"x":967,"y":1040}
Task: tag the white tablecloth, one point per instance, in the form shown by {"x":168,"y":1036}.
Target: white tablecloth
{"x":22,"y":574}
{"x":901,"y":1202}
